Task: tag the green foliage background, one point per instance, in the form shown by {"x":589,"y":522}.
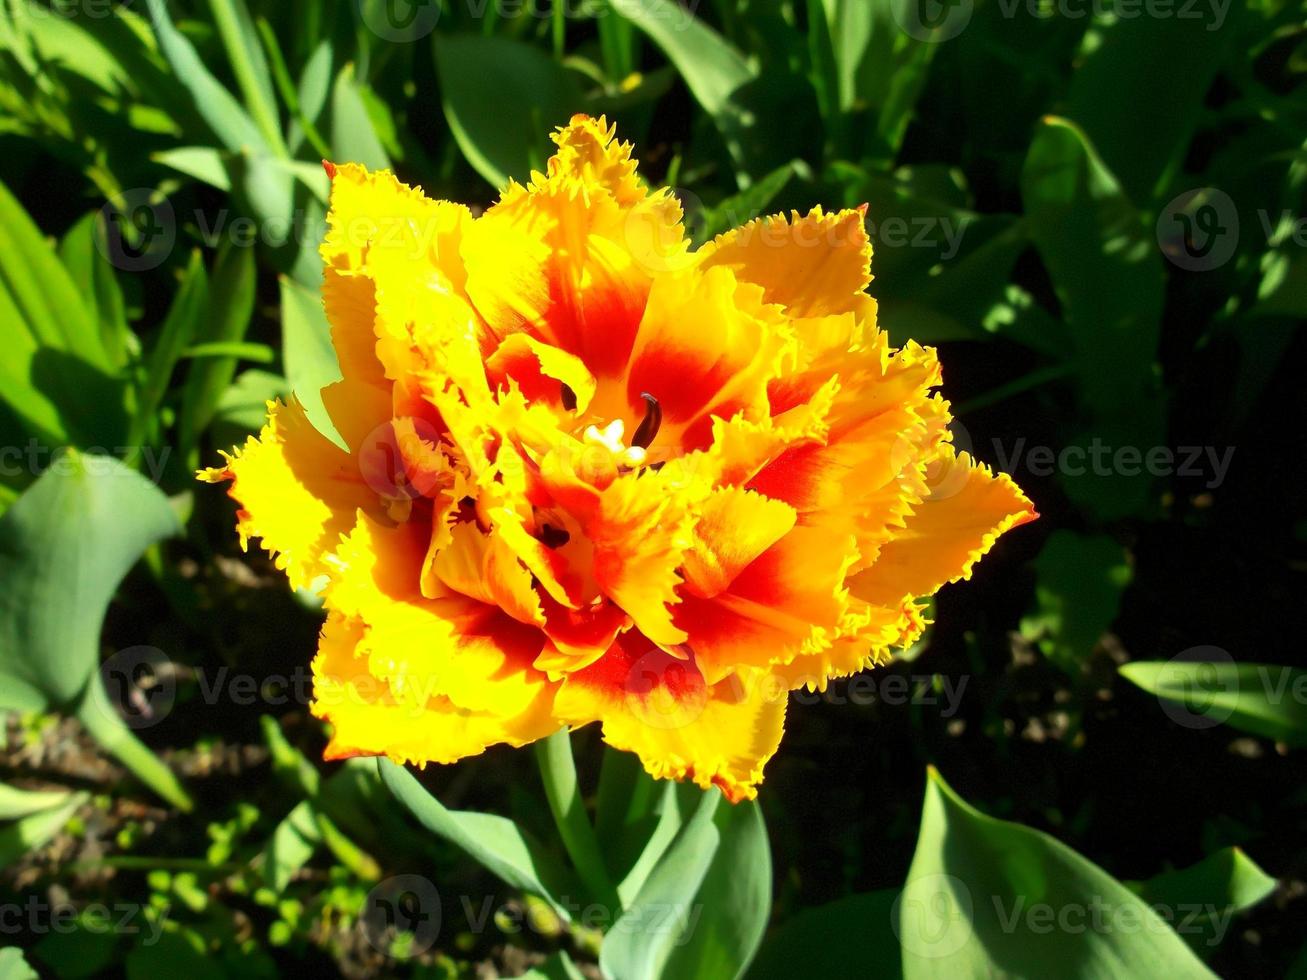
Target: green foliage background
{"x":1094,"y":210}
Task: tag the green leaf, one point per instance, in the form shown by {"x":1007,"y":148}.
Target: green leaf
{"x":1207,"y":894}
{"x":65,"y":545}
{"x":31,"y":832}
{"x":236,"y":28}
{"x":674,"y":807}
{"x":1262,"y":699}
{"x":714,"y":70}
{"x":741,"y":208}
{"x":563,"y":791}
{"x":502,"y":128}
{"x":985,"y":897}
{"x":497,"y":844}
{"x":1079,"y":581}
{"x":353,"y":136}
{"x":291,"y":846}
{"x":233,"y":285}
{"x":186,"y":315}
{"x":558,"y":966}
{"x":56,"y":375}
{"x":734,"y":901}
{"x":15,"y":803}
{"x":1143,"y":129}
{"x":224,"y":115}
{"x":823,"y":941}
{"x":307,"y":352}
{"x":14,"y":967}
{"x":203,"y":163}
{"x":95,"y":277}
{"x":1103,"y":260}
{"x":664,"y":912}
{"x":626,"y":810}
{"x":243,"y":408}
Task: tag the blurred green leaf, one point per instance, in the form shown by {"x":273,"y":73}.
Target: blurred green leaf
{"x":245,"y":53}
{"x":65,"y":545}
{"x":13,"y":966}
{"x":1142,"y":130}
{"x":1262,"y":699}
{"x":503,"y":128}
{"x":663,"y":913}
{"x":984,"y":897}
{"x":626,"y":811}
{"x":495,"y":843}
{"x":27,"y":834}
{"x":1103,"y":260}
{"x":95,"y":276}
{"x":15,"y":803}
{"x":1078,"y":585}
{"x":224,"y":115}
{"x":57,"y":376}
{"x":185,"y":319}
{"x":1210,"y":891}
{"x":354,"y":139}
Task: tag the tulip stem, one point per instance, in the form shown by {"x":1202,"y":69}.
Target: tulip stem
{"x":558,"y":772}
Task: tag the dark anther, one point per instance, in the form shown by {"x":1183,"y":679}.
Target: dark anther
{"x":553,"y":537}
{"x":569,"y":398}
{"x":467,"y":502}
{"x":653,"y":418}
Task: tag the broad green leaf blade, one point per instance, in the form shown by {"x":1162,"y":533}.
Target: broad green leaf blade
{"x":502,"y":128}
{"x":741,"y":208}
{"x":824,"y":941}
{"x":224,"y":115}
{"x":56,"y":375}
{"x":1079,"y":580}
{"x":1103,"y":260}
{"x":31,"y":832}
{"x":1143,"y":129}
{"x":1262,"y":699}
{"x":95,"y":277}
{"x":204,"y":163}
{"x":984,"y":897}
{"x":497,"y":844}
{"x":1209,"y":893}
{"x":306,"y":349}
{"x":676,"y":804}
{"x":354,"y":139}
{"x":65,"y":545}
{"x":15,"y":803}
{"x":665,"y":912}
{"x":734,"y":900}
{"x":14,"y":967}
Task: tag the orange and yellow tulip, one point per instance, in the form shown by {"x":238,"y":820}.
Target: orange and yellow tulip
{"x":587,"y":474}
